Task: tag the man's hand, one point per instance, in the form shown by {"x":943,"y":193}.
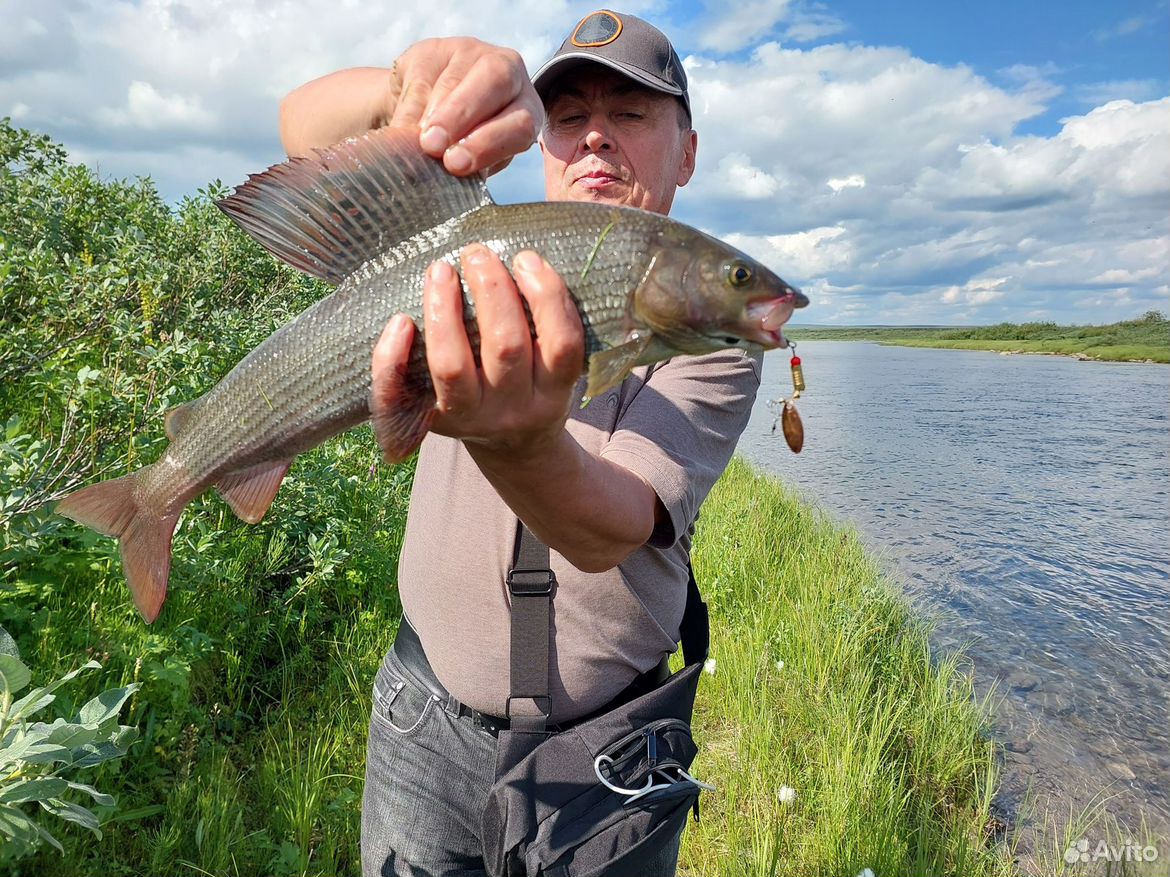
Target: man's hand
{"x":511,"y":410}
{"x":472,"y":102}
{"x":515,"y":402}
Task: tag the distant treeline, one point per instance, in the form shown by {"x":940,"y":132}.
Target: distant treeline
{"x":1141,"y":339}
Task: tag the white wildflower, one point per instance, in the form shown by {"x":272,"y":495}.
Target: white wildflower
{"x":709,"y":666}
{"x":866,"y":872}
{"x":779,"y":665}
{"x":787,"y":794}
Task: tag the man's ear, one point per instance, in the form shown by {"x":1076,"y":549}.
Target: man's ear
{"x":687,"y":167}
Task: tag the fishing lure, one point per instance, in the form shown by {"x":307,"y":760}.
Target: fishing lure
{"x":789,"y":418}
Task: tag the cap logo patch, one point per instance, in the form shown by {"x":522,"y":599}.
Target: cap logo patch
{"x":597,"y":29}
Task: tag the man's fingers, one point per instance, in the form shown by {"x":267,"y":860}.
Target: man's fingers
{"x":559,"y":348}
{"x":449,"y":357}
{"x":505,"y":343}
{"x":471,"y":93}
{"x":493,"y":144}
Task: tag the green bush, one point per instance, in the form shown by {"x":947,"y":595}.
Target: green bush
{"x":37,"y":759}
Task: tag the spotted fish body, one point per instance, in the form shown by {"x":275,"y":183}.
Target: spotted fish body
{"x":371,"y":215}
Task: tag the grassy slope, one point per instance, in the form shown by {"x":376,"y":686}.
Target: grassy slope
{"x":1145,"y":339}
{"x":824,"y":683}
{"x":258,"y":675}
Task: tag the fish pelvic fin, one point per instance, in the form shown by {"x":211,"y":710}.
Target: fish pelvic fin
{"x":608,"y":368}
{"x":332,"y":211}
{"x":251,"y":491}
{"x":144,"y":537}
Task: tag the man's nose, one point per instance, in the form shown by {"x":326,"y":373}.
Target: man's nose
{"x":597,"y":139}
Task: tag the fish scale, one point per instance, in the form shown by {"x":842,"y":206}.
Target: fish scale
{"x":371,"y":215}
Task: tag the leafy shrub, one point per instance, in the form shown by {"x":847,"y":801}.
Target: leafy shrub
{"x":37,"y":758}
{"x":114,"y":307}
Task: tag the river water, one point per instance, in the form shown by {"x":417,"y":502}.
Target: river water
{"x":1023,"y":503}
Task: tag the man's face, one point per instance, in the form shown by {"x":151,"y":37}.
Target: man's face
{"x":612,"y":141}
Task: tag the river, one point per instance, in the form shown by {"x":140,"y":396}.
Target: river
{"x":1022,"y":502}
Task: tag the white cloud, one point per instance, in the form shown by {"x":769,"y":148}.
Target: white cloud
{"x":805,"y":254}
{"x":147,"y":108}
{"x":744,"y":179}
{"x":853,"y":181}
{"x":892,"y":189}
{"x":975,"y":292}
{"x":729,"y":27}
{"x":1093,"y":94}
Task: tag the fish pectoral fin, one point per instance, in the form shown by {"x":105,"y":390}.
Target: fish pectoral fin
{"x":608,"y":368}
{"x":251,"y":491}
{"x":110,"y":507}
{"x":176,"y":420}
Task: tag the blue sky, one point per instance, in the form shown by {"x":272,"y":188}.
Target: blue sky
{"x":1077,"y":43}
{"x":904,"y":163}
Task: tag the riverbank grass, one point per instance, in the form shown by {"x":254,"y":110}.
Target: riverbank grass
{"x":834,"y":741}
{"x":837,"y":743}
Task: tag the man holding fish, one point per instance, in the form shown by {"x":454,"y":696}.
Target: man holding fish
{"x":491,"y":388}
{"x":612,"y":489}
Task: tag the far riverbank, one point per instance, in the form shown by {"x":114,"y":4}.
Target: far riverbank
{"x":1146,"y":339}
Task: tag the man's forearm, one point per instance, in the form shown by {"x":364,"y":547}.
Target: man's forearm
{"x":327,"y":110}
{"x":591,"y":511}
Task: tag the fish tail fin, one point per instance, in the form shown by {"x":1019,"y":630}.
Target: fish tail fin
{"x":332,"y":211}
{"x":144,"y":537}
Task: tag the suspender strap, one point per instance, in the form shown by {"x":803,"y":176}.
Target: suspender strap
{"x":530,"y":583}
{"x":694,"y":630}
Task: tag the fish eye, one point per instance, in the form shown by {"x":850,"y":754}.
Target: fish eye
{"x":739,"y":273}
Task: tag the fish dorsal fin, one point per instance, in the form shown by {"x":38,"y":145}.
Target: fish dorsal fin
{"x":330,"y":212}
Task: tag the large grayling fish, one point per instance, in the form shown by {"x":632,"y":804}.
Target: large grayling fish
{"x":370,"y":215}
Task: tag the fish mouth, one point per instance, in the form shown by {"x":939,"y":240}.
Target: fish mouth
{"x":765,"y":316}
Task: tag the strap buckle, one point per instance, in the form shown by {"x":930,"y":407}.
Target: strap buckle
{"x":537,"y":582}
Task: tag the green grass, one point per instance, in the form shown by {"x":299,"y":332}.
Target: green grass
{"x":256,"y":691}
{"x":824,"y":684}
{"x":1146,"y":339}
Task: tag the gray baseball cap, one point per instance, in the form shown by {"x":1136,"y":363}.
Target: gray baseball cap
{"x":624,"y":43}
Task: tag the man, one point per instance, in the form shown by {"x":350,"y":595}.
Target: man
{"x":613,"y":489}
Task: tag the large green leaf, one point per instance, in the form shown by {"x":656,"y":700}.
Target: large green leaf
{"x":73,"y":736}
{"x":39,"y":698}
{"x":105,"y":706}
{"x":33,"y":790}
{"x":17,"y":825}
{"x":73,"y":813}
{"x":35,"y":752}
{"x":14,"y":676}
{"x":7,"y":643}
{"x":100,"y":798}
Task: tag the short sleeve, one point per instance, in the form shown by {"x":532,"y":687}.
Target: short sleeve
{"x":680,"y":428}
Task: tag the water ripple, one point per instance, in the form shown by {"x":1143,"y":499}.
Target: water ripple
{"x":1023,"y":501}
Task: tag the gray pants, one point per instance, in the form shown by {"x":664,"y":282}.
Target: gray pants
{"x":428,"y":772}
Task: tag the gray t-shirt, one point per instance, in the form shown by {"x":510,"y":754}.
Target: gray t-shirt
{"x":675,"y":424}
